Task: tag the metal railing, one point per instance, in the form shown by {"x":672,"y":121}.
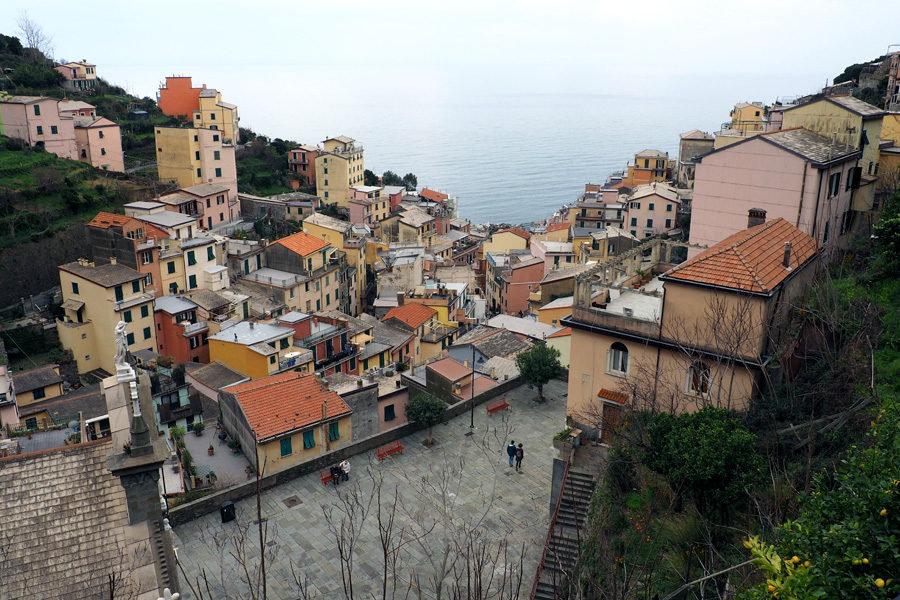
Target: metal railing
{"x":327,"y":333}
{"x":553,"y":517}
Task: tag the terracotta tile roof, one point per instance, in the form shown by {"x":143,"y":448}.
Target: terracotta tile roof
{"x":302,"y":243}
{"x":557,"y":227}
{"x":433,"y":195}
{"x":561,"y":333}
{"x":518,"y":231}
{"x":481,"y":384}
{"x":286,"y":402}
{"x":412,"y":314}
{"x":106,"y":220}
{"x":449,"y":369}
{"x":617,"y":397}
{"x":749,"y":260}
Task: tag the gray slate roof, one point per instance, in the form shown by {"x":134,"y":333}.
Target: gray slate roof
{"x":390,"y":335}
{"x":106,"y":275}
{"x":33,"y":379}
{"x":87,"y":400}
{"x":217,"y":375}
{"x":811,"y":146}
{"x":209,"y":300}
{"x":82,"y":538}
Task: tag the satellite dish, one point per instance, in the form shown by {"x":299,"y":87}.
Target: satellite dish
{"x":73,"y":425}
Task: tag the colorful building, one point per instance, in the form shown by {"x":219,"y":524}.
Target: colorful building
{"x":522,"y":276}
{"x":131,"y":242}
{"x":302,"y":163}
{"x":254,"y":349}
{"x":505,"y":240}
{"x":96,"y":297}
{"x":648,"y":166}
{"x":190,"y":156}
{"x":177,"y":98}
{"x":80,"y":75}
{"x":179,"y":331}
{"x":339,"y":234}
{"x":36,"y":121}
{"x":213,"y":113}
{"x":652,"y":210}
{"x":339,"y":166}
{"x":98,"y":142}
{"x":284,"y":420}
{"x":692,"y":144}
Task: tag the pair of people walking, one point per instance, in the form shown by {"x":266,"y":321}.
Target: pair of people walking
{"x":515,"y":453}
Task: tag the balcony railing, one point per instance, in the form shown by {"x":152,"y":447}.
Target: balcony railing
{"x":192,"y":328}
{"x":327,"y":333}
{"x":131,"y":301}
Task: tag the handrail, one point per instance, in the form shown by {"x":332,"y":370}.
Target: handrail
{"x":540,"y":567}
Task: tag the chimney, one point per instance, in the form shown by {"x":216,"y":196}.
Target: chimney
{"x":755,"y":216}
{"x":493,"y":374}
{"x":401,"y":298}
{"x":325,"y":384}
{"x":787,"y":255}
{"x":252,"y":324}
{"x":359,"y":383}
{"x":112,"y":260}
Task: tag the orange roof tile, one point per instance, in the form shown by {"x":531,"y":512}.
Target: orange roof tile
{"x":433,"y":195}
{"x":561,"y":333}
{"x":749,"y":260}
{"x":481,"y":384}
{"x":286,"y":402}
{"x":618,"y":397}
{"x":105,"y":220}
{"x":557,"y":227}
{"x":413,"y":314}
{"x":449,"y":369}
{"x":302,"y":243}
{"x":518,"y":231}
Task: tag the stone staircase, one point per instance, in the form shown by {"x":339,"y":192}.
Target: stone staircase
{"x":562,"y":551}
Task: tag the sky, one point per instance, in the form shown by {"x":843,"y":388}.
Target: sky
{"x":757,"y":51}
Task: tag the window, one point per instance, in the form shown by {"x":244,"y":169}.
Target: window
{"x":318,"y":305}
{"x":136,"y":287}
{"x":212,"y":116}
{"x":148,"y":280}
{"x":74,"y":288}
{"x":31,"y":422}
{"x":130,"y":339}
{"x":119,"y":294}
{"x":210,"y":253}
{"x":309,"y":439}
{"x":825,"y":233}
{"x":198,"y":173}
{"x":634,"y":221}
{"x":649,"y":222}
{"x":170,"y":266}
{"x":54,"y":130}
{"x":192,"y":282}
{"x":326,"y":170}
{"x":147,"y":333}
{"x":834,"y":185}
{"x":192,"y":259}
{"x":83,"y":153}
{"x":216,"y":155}
{"x":145,"y":311}
{"x":286,"y":447}
{"x":272,"y":359}
{"x":284,"y":343}
{"x":668,"y":223}
{"x":651,"y":206}
{"x":668,"y":208}
{"x":698,"y":378}
{"x":846,"y":222}
{"x":37,"y":110}
{"x":38,"y":393}
{"x":636,"y":205}
{"x":871,"y":164}
{"x":194,"y":342}
{"x":326,"y":182}
{"x":334,"y":431}
{"x":126,"y":316}
{"x":327,"y":299}
{"x":196,"y":138}
{"x":218,"y":172}
{"x":618,"y":360}
{"x":215,"y":138}
{"x":220,"y":199}
{"x":101,"y":135}
{"x":40,"y":130}
{"x":196,"y":155}
{"x":146,"y":257}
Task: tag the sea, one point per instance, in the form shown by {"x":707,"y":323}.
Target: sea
{"x":509,"y":157}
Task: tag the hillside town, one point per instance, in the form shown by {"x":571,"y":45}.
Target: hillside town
{"x":217,"y":354}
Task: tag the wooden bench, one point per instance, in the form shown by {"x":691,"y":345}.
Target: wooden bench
{"x":325,"y":476}
{"x":496,"y":405}
{"x":389,"y":449}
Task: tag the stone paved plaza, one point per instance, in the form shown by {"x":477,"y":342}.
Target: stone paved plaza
{"x":460,"y":488}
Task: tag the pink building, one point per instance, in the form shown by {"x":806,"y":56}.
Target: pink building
{"x":216,"y":203}
{"x":302,"y":162}
{"x":652,"y":210}
{"x":76,"y":108}
{"x":519,"y":279}
{"x":793,"y":174}
{"x":554,"y":254}
{"x":36,"y":121}
{"x":99,"y":143}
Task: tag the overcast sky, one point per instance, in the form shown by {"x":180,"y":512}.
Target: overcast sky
{"x":760,"y":50}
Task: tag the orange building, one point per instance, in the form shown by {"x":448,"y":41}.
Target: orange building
{"x":177,"y":98}
{"x":130,"y":241}
{"x":179,"y":333}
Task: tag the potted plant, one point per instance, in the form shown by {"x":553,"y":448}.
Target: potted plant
{"x":564,"y":441}
{"x":235,"y":446}
{"x":198,"y":427}
{"x":210,"y":450}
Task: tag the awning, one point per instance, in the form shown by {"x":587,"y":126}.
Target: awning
{"x":611,"y":396}
{"x":71,"y":304}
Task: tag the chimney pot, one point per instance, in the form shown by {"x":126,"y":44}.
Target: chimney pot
{"x":755,"y":216}
{"x":787,"y":255}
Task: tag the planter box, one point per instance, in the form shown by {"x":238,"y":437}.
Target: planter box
{"x":564,"y":445}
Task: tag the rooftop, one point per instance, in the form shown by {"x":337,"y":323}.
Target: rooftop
{"x":523,"y":326}
{"x":558,"y":227}
{"x":498,"y":342}
{"x":268,"y":275}
{"x":209,"y":300}
{"x":70,"y":105}
{"x":248,"y":333}
{"x":655,"y":189}
{"x":433,"y":195}
{"x":323,"y":220}
{"x":415,"y":217}
{"x":854,"y":105}
{"x":106,"y":275}
{"x":286,"y":402}
{"x":173,"y":304}
{"x":750,"y":260}
{"x":651,"y":154}
{"x":449,"y":369}
{"x":87,"y":400}
{"x":167,"y":218}
{"x":804,"y":143}
{"x":39,"y":377}
{"x":517,"y":231}
{"x":105,"y":220}
{"x":302,"y":243}
{"x":412,"y":314}
{"x":216,"y":375}
{"x":696,"y":134}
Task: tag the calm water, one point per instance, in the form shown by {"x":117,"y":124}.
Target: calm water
{"x":508,"y":157}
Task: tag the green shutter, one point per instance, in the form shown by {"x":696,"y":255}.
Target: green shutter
{"x":334,"y":431}
{"x":126,"y":316}
{"x":286,"y":447}
{"x":309,"y":439}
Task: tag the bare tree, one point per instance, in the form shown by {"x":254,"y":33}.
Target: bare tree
{"x":34,"y":36}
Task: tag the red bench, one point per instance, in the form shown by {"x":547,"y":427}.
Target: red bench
{"x":496,"y":405}
{"x":389,"y":449}
{"x":325,"y":476}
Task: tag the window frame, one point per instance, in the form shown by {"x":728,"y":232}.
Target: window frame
{"x":617,"y":356}
{"x":309,"y":439}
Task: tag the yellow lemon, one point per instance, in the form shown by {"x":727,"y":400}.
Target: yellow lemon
{"x":795,"y":559}
{"x":855,"y":561}
{"x":771,"y":587}
{"x":865,"y":561}
{"x":879,"y":582}
{"x":883,"y":512}
{"x":806,"y":564}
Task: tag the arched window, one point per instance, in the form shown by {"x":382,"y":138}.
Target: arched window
{"x":698,"y":378}
{"x":617,"y":363}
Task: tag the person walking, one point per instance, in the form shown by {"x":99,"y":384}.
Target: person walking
{"x":520,"y":454}
{"x":345,"y":469}
{"x":511,"y":451}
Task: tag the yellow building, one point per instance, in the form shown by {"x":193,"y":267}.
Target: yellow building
{"x":37,"y":385}
{"x":254,"y":349}
{"x":339,"y":166}
{"x":95,"y":299}
{"x":505,"y":240}
{"x":748,"y":117}
{"x":338,"y":234}
{"x":215,"y":114}
{"x":284,"y":420}
{"x":648,"y":166}
{"x":190,"y":156}
{"x":562,"y":341}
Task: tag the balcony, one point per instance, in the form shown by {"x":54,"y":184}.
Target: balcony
{"x":325,"y":334}
{"x":194,"y":328}
{"x":135,"y":300}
